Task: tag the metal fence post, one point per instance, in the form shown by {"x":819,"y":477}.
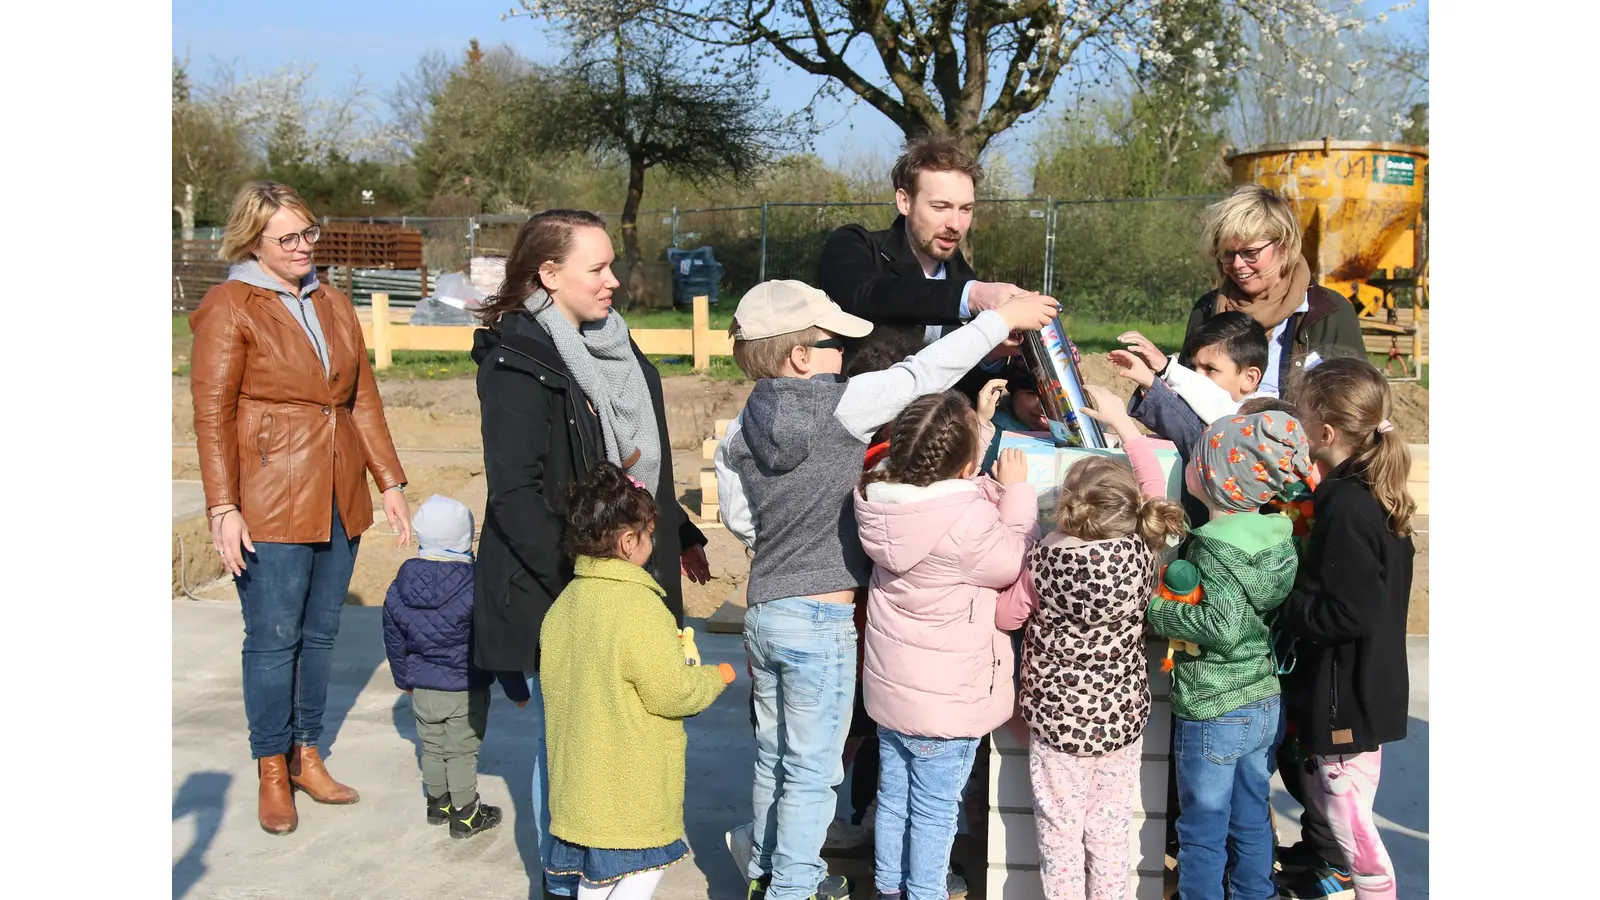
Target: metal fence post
{"x":674,"y":228}
{"x":761,"y":271}
{"x":472,"y":241}
{"x":1049,"y":244}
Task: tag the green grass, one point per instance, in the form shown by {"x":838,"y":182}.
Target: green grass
{"x":1101,"y":337}
{"x":1378,"y":360}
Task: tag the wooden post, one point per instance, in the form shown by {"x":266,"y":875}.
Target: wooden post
{"x":702,"y":332}
{"x":380,"y":332}
{"x":424,"y":273}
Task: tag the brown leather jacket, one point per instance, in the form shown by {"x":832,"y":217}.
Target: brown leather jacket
{"x":277,"y":436}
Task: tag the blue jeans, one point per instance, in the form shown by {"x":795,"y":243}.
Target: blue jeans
{"x":803,"y":656}
{"x":1224,"y":780}
{"x":291,"y":595}
{"x":541,"y":789}
{"x":919,"y":800}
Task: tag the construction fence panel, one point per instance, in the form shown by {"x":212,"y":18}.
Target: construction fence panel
{"x":1107,"y":260}
{"x":1129,"y":260}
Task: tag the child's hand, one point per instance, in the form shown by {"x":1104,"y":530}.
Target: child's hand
{"x":1011,"y":467}
{"x":1108,"y":410}
{"x":1133,"y":368}
{"x":1140,"y":346}
{"x":1029,"y":312}
{"x":989,"y":398}
{"x":521,"y":703}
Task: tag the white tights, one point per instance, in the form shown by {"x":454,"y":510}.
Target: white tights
{"x":638,"y":886}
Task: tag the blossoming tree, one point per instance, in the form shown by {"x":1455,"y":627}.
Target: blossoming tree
{"x":974,"y":68}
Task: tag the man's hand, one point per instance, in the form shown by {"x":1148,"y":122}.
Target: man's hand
{"x":1142,"y":347}
{"x":1011,"y":346}
{"x":1133,"y":368}
{"x":989,"y":295}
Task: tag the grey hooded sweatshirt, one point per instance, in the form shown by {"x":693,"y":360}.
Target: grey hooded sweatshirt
{"x":798,"y":448}
{"x":301,"y":307}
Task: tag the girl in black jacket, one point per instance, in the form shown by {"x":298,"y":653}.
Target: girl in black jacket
{"x":563,"y":388}
{"x":1347,"y":694}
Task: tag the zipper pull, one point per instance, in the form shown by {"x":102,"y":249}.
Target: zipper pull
{"x":263,"y":460}
{"x":970,"y":605}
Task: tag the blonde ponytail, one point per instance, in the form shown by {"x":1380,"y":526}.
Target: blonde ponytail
{"x":1353,"y":397}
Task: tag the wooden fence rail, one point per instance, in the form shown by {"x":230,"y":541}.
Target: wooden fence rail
{"x":385,"y":337}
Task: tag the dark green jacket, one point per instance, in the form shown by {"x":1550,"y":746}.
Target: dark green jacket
{"x":1330,"y":324}
{"x":1247,"y":566}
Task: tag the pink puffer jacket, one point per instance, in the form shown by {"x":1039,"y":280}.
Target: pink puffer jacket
{"x":947,"y":558}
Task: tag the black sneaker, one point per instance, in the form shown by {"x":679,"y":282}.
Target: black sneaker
{"x":439,"y":810}
{"x":1297,"y":856}
{"x":1316,"y":883}
{"x":474,"y":817}
{"x":833,"y":887}
{"x":758,"y":888}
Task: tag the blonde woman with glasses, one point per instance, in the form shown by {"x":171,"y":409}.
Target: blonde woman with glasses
{"x":1254,"y":238}
{"x":288,"y":423}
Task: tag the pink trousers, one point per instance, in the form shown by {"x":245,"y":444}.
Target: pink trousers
{"x":1343,"y":788}
{"x":1083,"y":807}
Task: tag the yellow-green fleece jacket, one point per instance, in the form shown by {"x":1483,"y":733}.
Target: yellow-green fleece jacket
{"x":616,"y":690}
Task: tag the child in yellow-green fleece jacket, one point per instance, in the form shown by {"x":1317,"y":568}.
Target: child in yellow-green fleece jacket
{"x":616,"y":690}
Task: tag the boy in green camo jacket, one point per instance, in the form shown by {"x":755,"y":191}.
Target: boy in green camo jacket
{"x":1226,"y":699}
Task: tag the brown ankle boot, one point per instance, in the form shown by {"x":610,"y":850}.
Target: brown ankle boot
{"x":275,"y":806}
{"x":308,"y":773}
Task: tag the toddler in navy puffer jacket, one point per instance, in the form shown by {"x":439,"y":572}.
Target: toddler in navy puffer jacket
{"x":427,"y":627}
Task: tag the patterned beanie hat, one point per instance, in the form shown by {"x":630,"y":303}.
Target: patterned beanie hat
{"x":1245,"y":461}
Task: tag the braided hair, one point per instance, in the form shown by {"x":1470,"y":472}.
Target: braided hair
{"x":935,"y":438}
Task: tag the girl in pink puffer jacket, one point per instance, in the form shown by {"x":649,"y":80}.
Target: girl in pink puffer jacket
{"x":949,"y":548}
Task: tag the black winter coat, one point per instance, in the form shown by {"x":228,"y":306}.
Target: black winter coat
{"x":875,"y":275}
{"x":539,"y":436}
{"x":1350,"y":689}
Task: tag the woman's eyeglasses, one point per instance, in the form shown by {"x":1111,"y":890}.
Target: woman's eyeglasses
{"x":1248,"y":254}
{"x":292,"y":241}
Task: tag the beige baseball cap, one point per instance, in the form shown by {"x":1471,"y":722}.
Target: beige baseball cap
{"x":772,"y":308}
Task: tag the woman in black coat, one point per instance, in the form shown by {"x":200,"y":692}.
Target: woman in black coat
{"x":562,"y":387}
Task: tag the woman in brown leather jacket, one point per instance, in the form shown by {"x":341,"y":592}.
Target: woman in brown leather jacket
{"x":288,"y":423}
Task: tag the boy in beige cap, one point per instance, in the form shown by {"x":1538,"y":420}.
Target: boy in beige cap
{"x":787,"y":471}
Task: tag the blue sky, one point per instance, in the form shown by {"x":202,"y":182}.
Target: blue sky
{"x":383,"y":39}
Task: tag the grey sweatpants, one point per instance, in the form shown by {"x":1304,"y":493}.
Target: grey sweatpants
{"x":451,"y":725}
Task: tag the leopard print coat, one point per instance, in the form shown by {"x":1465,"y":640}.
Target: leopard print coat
{"x":1085,"y":681}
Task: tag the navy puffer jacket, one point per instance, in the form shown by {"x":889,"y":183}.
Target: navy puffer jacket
{"x":427,"y":629}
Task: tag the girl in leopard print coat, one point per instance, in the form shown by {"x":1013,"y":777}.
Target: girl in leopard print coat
{"x":1085,"y":685}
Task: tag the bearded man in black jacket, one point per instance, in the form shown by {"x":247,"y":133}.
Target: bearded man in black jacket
{"x":912,"y":277}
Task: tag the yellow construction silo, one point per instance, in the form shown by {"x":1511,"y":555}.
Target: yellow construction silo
{"x":1356,"y":201}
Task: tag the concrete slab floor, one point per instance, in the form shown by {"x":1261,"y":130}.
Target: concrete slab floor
{"x":382,"y":847}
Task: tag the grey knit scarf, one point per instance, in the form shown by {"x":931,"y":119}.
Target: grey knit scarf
{"x":600,"y":358}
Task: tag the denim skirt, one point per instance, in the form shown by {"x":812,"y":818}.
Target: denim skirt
{"x":570,"y":862}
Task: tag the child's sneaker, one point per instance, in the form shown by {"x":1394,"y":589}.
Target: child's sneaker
{"x":833,"y":887}
{"x":955,"y":885}
{"x":758,"y":887}
{"x":1318,"y":882}
{"x":1297,"y":856}
{"x":842,"y":836}
{"x":741,"y":846}
{"x":474,"y":817}
{"x":439,"y":809}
